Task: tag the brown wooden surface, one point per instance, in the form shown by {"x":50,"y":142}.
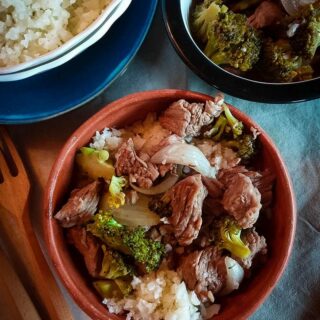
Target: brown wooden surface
{"x":15,"y":303}
{"x":21,"y":245}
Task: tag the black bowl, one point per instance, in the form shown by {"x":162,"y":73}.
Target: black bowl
{"x":176,"y":17}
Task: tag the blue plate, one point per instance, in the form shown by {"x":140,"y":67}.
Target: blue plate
{"x":67,"y":87}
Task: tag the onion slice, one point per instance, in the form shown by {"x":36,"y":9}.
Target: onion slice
{"x":162,"y":187}
{"x":187,"y":155}
{"x":235,"y":275}
{"x":137,"y":214}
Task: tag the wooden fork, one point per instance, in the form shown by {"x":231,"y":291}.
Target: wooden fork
{"x":19,"y":239}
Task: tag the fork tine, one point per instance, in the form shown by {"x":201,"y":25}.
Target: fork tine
{"x":4,"y":136}
{"x":4,"y":169}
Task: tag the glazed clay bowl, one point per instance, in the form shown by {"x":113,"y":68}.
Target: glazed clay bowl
{"x":280,"y":228}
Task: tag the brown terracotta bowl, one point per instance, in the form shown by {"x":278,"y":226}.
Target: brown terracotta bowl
{"x":280,"y":228}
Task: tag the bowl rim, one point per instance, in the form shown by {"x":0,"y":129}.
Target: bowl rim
{"x":223,"y":80}
{"x":64,"y":57}
{"x":67,"y":46}
{"x":88,"y":126}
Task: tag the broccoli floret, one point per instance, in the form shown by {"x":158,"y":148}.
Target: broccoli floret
{"x":129,"y":241}
{"x":245,"y":146}
{"x":113,"y":265}
{"x":203,"y":17}
{"x":235,"y":124}
{"x":279,"y":63}
{"x":225,"y":125}
{"x":228,"y":236}
{"x":231,"y":41}
{"x":217,"y":129}
{"x":306,"y":39}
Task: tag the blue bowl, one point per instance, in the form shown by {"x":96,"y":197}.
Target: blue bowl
{"x":176,"y":17}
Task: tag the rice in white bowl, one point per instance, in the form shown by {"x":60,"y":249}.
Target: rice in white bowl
{"x":158,"y":295}
{"x":31,"y":28}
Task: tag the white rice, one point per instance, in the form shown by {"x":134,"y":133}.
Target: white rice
{"x":31,"y":28}
{"x":158,"y":295}
{"x":108,"y":139}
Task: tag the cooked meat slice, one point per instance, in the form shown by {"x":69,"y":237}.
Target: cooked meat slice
{"x":81,"y":206}
{"x":139,"y":171}
{"x":257,"y":244}
{"x":267,"y":13}
{"x":215,"y":187}
{"x":263,"y":181}
{"x":88,"y":246}
{"x":242,"y":200}
{"x":212,"y":207}
{"x":186,"y":119}
{"x":171,"y":139}
{"x":204,"y":272}
{"x":186,"y":199}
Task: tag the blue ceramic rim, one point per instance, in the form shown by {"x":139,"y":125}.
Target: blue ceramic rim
{"x":224,"y":81}
{"x":119,"y":70}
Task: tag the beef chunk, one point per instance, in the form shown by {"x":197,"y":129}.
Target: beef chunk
{"x":215,"y":187}
{"x":88,"y":246}
{"x":263,"y":181}
{"x":81,"y":206}
{"x":267,"y":13}
{"x":242,"y":200}
{"x":171,"y":139}
{"x":186,"y":119}
{"x":186,"y":201}
{"x":139,"y":171}
{"x":204,"y":272}
{"x":257,"y":245}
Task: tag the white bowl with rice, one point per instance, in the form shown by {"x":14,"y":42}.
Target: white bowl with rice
{"x":39,"y":35}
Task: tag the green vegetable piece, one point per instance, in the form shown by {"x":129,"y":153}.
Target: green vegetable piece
{"x":233,"y":42}
{"x":218,"y":128}
{"x":108,"y":230}
{"x":95,"y":163}
{"x":131,"y":241}
{"x":113,"y":265}
{"x":235,"y":124}
{"x":124,"y":285}
{"x":204,"y":15}
{"x":114,"y":198}
{"x":245,"y":147}
{"x":108,"y":289}
{"x":230,"y":239}
{"x":280,"y":63}
{"x":306,"y":39}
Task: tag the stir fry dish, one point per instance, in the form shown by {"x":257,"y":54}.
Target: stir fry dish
{"x":258,"y":39}
{"x":166,"y":213}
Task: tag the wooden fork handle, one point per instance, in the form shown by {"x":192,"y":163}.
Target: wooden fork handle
{"x":31,"y":266}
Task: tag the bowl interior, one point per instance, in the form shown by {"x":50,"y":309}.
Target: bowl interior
{"x":125,"y":111}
